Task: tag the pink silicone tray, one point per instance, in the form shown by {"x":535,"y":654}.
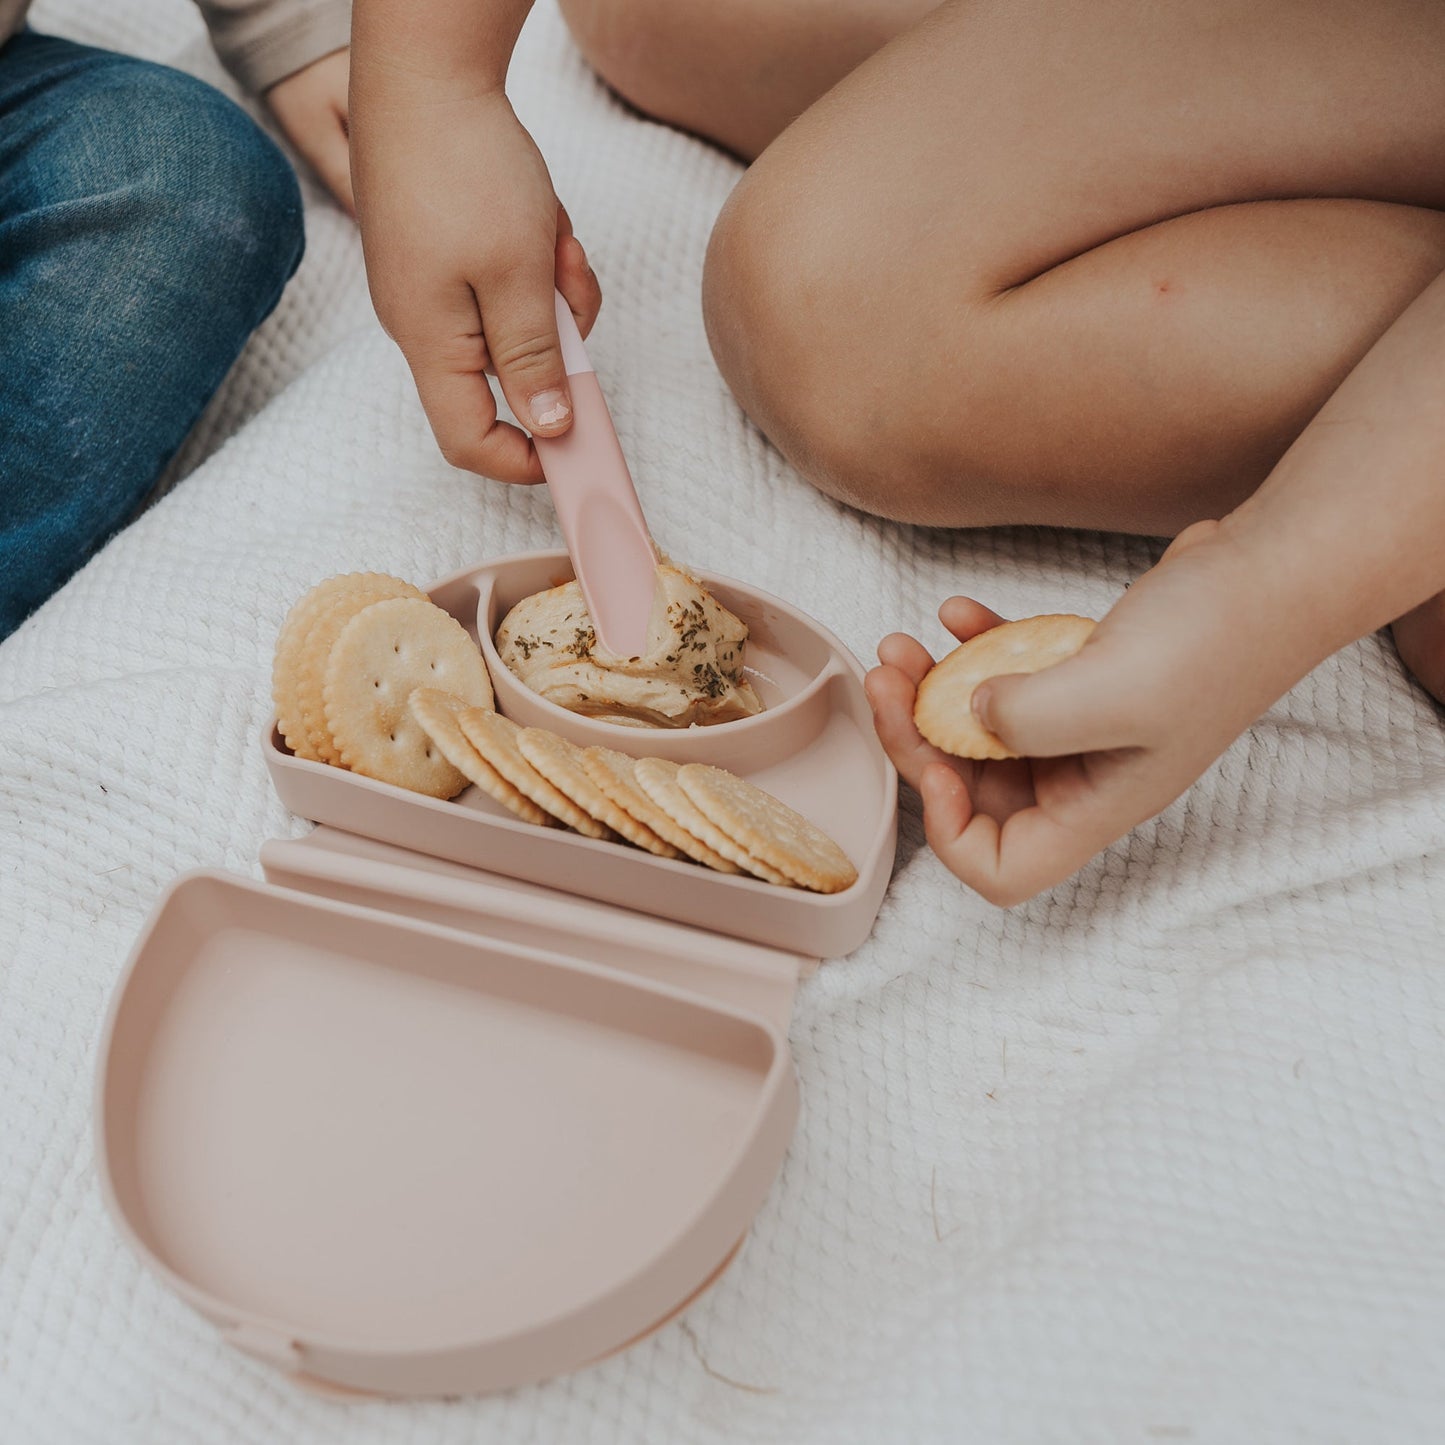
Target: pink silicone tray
{"x":451,"y":1103}
{"x":387,"y":1155}
{"x":814,"y":747}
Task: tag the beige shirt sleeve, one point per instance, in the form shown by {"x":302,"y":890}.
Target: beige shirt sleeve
{"x":263,"y":41}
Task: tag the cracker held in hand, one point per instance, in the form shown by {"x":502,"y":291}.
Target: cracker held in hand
{"x":768,"y":829}
{"x":495,"y":738}
{"x":561,"y":764}
{"x":943,"y":709}
{"x":438,"y":712}
{"x":382,"y":655}
{"x":296,"y":631}
{"x":615,"y":773}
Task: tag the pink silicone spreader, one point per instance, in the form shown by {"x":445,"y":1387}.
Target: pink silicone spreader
{"x":612,"y":551}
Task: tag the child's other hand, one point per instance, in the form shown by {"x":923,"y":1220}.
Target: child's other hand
{"x":1109,"y":737}
{"x":465,"y":243}
{"x":311,"y":107}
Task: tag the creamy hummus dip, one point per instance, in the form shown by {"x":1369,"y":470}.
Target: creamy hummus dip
{"x":691,"y":672}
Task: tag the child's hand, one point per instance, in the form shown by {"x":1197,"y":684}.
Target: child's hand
{"x":465,"y":242}
{"x":311,"y":107}
{"x":1109,"y":737}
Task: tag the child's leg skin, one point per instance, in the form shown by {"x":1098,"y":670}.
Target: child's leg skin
{"x":1420,"y":638}
{"x":735,"y":71}
{"x":1083,"y":262}
{"x":147,"y":226}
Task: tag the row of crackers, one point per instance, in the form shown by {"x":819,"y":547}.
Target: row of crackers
{"x":370,"y":675}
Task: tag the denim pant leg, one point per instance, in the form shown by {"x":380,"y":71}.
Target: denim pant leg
{"x":147,"y":226}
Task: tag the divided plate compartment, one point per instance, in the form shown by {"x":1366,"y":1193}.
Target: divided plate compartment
{"x":813,"y":746}
{"x":392,"y":1154}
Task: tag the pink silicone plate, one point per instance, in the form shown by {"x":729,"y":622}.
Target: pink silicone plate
{"x":394,"y":1156}
{"x":814,"y":747}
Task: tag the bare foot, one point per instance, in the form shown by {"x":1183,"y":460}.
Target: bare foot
{"x":1420,"y":636}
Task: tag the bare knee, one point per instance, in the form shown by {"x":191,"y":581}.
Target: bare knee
{"x":788,"y":329}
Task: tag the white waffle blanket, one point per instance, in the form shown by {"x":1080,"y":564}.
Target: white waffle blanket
{"x":1158,"y":1157}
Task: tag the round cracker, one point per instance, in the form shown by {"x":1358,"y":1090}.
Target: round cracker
{"x":287,"y":703}
{"x":768,"y":829}
{"x":341,"y":604}
{"x":615,"y":773}
{"x":495,"y":738}
{"x":658,"y":779}
{"x":382,"y":655}
{"x":289,"y":642}
{"x":294,"y":632}
{"x":305,"y":709}
{"x":437,"y":712}
{"x":943,"y":709}
{"x":560,"y":762}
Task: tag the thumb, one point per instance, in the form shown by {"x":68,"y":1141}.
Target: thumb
{"x":1075,"y":706}
{"x":520,"y":325}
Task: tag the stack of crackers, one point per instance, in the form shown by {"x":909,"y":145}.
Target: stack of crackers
{"x":370,"y":675}
{"x":350,"y":654}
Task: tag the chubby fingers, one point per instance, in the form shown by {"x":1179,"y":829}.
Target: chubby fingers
{"x":966,"y":618}
{"x":892,"y":686}
{"x":891,"y":690}
{"x":906,"y":655}
{"x":576,"y":280}
{"x":1005,"y":861}
{"x":1085,"y":704}
{"x":448,"y":356}
{"x":519,"y":318}
{"x":963,"y":617}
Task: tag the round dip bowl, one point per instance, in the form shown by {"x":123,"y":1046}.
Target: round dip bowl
{"x":789,"y":659}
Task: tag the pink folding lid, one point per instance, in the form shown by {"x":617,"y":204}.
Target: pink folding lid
{"x":418,"y":1114}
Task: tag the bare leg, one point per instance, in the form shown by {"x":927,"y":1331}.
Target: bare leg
{"x":1055,"y":263}
{"x":1085,"y":262}
{"x":1420,"y":637}
{"x":734,"y":71}
{"x":1149,"y":383}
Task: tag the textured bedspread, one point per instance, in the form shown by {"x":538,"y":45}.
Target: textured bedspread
{"x":1157,"y":1157}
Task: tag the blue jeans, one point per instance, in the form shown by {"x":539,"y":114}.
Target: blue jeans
{"x":147,"y":227}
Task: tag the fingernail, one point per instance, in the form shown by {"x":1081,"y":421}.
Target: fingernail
{"x":981,"y":703}
{"x":548,"y":408}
